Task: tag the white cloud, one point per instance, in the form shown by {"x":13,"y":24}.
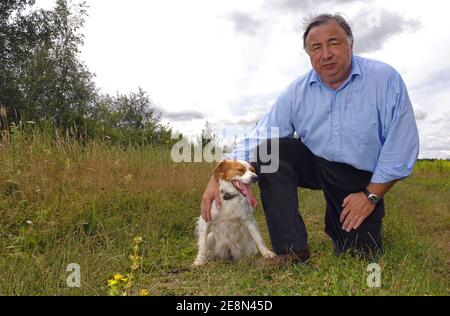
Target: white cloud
{"x":419,"y":113}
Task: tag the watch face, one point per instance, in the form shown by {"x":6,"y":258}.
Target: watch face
{"x":373,"y":198}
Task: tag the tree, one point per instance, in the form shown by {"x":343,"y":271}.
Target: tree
{"x":208,"y":136}
{"x":129,"y":119}
{"x":59,"y":86}
{"x":42,"y":75}
{"x":20,"y":34}
{"x":135,"y":110}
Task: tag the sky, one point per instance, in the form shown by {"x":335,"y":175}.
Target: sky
{"x":226,"y":62}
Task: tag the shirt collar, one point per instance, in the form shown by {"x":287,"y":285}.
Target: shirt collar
{"x":355,"y":71}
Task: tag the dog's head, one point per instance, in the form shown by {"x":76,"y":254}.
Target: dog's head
{"x":240,"y":174}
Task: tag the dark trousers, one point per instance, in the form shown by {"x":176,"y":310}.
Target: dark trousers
{"x":299,"y":167}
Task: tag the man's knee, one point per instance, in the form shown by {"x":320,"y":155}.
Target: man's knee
{"x":272,"y":151}
{"x":290,"y":159}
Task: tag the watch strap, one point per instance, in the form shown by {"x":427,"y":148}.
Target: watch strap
{"x":373,"y":198}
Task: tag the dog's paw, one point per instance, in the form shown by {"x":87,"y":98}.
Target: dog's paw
{"x":200,"y":261}
{"x":269,"y":255}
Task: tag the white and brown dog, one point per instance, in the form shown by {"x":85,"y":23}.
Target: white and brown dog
{"x":232,"y":232}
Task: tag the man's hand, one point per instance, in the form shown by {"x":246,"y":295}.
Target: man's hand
{"x":356,"y":208}
{"x":211,"y":193}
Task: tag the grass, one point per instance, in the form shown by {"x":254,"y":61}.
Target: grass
{"x":63,"y":203}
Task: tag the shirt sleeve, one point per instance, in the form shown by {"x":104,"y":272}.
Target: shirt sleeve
{"x":400,"y":149}
{"x":275,"y":124}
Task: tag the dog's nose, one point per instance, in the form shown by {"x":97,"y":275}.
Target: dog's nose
{"x":254,"y":178}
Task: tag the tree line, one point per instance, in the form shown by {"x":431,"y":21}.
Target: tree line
{"x":43,"y":79}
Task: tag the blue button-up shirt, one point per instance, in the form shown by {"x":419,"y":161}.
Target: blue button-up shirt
{"x":368,"y":122}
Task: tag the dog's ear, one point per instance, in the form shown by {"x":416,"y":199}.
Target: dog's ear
{"x":220,"y":170}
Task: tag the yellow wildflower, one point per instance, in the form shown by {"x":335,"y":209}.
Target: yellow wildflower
{"x":112,"y":282}
{"x":134,"y":258}
{"x":118,"y":276}
{"x":134,"y":266}
{"x":144,"y":292}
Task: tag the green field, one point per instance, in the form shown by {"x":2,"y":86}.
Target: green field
{"x":63,"y":203}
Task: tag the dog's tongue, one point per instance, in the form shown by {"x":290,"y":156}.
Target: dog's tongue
{"x":249,"y":195}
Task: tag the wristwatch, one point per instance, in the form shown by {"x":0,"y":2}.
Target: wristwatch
{"x":373,"y":198}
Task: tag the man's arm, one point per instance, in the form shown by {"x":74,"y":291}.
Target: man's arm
{"x":399,"y":134}
{"x":212,"y":193}
{"x":397,"y":157}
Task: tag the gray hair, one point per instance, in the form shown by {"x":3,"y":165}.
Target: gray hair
{"x":324,"y":19}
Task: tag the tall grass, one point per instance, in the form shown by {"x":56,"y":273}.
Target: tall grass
{"x":439,"y":166}
{"x":64,"y":201}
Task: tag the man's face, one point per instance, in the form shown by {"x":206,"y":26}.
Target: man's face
{"x":330,"y":53}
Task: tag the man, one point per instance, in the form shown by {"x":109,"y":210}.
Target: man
{"x":357,"y":138}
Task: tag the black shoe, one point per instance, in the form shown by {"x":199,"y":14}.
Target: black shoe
{"x":296,"y":257}
{"x":290,"y":258}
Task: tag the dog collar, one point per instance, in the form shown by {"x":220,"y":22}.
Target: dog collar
{"x":228,"y":196}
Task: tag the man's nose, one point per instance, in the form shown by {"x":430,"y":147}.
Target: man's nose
{"x":326,"y":53}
